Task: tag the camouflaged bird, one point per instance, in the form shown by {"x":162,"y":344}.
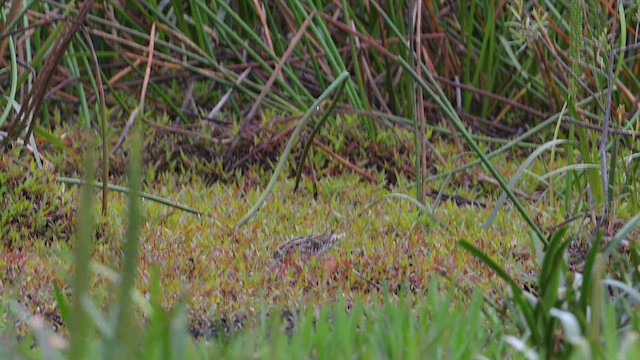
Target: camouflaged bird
{"x":315,"y":246}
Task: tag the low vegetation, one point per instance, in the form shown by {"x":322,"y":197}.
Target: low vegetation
{"x":475,"y":162}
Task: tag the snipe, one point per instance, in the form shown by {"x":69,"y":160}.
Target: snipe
{"x":315,"y":246}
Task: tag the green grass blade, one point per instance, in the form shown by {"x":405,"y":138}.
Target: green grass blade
{"x":285,"y":154}
{"x":14,"y":83}
{"x":521,"y":169}
{"x":587,"y":274}
{"x":126,"y":190}
{"x":621,"y":235}
{"x":78,"y":326}
{"x":522,"y":304}
{"x":124,"y":341}
{"x":446,"y":107}
{"x":315,"y":132}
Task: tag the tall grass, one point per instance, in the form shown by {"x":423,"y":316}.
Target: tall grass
{"x":504,"y":57}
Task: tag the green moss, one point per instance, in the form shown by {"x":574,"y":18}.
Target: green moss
{"x":34,"y":204}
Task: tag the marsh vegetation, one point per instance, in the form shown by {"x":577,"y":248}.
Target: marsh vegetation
{"x":328,"y":179}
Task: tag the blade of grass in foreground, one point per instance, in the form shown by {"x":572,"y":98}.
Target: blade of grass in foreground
{"x":78,"y":324}
{"x":124,"y":340}
{"x":523,"y":305}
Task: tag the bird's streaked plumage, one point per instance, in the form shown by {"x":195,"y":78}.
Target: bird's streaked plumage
{"x":315,"y":246}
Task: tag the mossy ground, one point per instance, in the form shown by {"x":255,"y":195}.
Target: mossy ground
{"x":223,"y":272}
